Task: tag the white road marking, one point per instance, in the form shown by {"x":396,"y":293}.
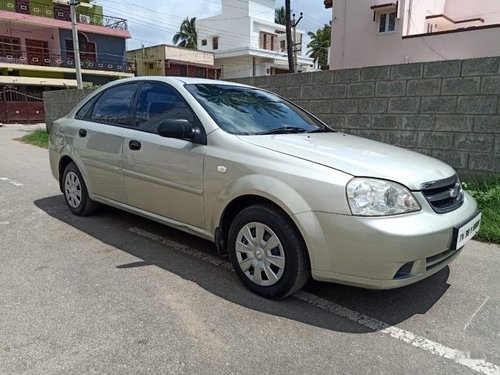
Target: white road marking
{"x":462,"y":358}
{"x":10,"y":181}
{"x":475,"y":313}
{"x":216,"y":261}
{"x":478,"y":365}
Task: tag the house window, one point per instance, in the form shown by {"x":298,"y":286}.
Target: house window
{"x":267,"y":41}
{"x":215,"y":42}
{"x":282,"y":46}
{"x":37,"y":52}
{"x":203,"y":42}
{"x":387,"y":22}
{"x":87,"y":49}
{"x":10,"y":47}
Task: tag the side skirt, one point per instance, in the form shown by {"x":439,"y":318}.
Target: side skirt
{"x":160,"y":219}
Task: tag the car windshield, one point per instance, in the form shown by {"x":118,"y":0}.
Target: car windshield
{"x":250,"y":111}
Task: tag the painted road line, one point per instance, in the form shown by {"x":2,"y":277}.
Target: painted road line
{"x":478,"y":365}
{"x":462,"y":358}
{"x":10,"y":181}
{"x":216,"y":261}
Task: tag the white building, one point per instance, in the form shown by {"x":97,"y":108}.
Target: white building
{"x":246,"y":41}
{"x":380,"y":32}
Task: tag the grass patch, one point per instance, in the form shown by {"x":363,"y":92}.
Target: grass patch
{"x":38,"y":137}
{"x":487,"y":194}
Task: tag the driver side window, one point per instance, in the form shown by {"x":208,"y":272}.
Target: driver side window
{"x":158,"y":102}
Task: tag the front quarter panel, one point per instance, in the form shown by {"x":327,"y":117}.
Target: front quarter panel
{"x":234,"y":168}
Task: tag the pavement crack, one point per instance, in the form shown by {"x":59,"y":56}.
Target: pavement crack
{"x":475,"y":313}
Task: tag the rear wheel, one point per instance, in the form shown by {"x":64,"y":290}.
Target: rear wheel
{"x":76,"y":193}
{"x":267,"y":253}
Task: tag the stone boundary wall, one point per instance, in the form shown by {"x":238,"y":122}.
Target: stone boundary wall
{"x":446,"y":109}
{"x":59,"y":103}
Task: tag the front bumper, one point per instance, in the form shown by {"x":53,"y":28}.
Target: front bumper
{"x":371,"y":252}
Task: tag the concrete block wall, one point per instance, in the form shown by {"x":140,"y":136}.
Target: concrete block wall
{"x":446,"y":109}
{"x":59,"y":103}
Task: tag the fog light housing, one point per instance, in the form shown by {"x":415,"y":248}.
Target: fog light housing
{"x":404,"y":272}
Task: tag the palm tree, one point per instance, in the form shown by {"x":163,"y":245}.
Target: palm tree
{"x":279,"y":16}
{"x":319,"y":45}
{"x":187,"y":36}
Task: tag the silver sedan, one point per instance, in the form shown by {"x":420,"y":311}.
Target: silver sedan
{"x":283,"y":194}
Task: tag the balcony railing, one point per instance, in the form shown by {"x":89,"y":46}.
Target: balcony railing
{"x":62,"y":12}
{"x":40,"y":59}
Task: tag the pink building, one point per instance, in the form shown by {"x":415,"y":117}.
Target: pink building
{"x":380,"y":32}
{"x":36,"y":52}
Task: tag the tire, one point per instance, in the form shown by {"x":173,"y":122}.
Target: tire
{"x":75,"y":192}
{"x":277,"y":265}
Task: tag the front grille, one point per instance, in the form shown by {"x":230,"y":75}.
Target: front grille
{"x":444,"y":195}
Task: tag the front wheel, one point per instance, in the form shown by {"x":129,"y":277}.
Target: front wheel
{"x":267,"y":253}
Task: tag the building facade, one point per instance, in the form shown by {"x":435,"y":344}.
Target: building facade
{"x":36,"y":51}
{"x":246,"y":41}
{"x":379,"y":32}
{"x":165,"y":60}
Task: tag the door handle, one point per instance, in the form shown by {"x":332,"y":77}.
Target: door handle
{"x":82,"y":133}
{"x":134,"y":145}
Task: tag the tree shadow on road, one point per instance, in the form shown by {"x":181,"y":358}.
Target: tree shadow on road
{"x":110,"y":226}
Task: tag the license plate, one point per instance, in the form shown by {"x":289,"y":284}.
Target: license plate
{"x":464,"y":234}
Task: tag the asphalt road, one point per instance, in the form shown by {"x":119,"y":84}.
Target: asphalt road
{"x":118,"y":294}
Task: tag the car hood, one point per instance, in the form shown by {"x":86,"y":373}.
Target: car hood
{"x":357,"y":156}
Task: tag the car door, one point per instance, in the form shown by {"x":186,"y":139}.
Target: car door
{"x":163,"y":175}
{"x":98,"y":140}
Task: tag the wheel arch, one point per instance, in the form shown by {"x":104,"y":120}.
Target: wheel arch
{"x":68,"y":157}
{"x":240,"y":203}
{"x":63,"y":163}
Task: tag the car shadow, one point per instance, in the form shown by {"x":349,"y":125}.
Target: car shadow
{"x":112,"y":227}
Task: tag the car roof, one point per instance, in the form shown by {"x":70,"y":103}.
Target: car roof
{"x":182,"y":80}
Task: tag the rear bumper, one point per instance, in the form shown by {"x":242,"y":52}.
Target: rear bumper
{"x":382,"y":252}
{"x":54,"y":162}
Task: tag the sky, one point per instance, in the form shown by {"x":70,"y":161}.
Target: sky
{"x":156,"y":21}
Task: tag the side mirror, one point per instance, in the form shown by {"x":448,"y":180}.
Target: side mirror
{"x":176,"y":128}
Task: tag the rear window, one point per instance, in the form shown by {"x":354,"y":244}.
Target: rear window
{"x":114,"y":105}
{"x":85,"y":111}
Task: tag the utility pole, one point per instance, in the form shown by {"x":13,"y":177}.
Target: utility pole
{"x":76,"y":45}
{"x":296,"y":46}
{"x":289,"y":43}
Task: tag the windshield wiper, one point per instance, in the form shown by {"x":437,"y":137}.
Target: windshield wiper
{"x":283,"y":130}
{"x":322,"y":130}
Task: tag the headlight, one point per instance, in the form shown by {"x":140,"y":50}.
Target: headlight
{"x":372,"y":197}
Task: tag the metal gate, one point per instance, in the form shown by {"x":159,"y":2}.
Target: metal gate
{"x":21,"y":107}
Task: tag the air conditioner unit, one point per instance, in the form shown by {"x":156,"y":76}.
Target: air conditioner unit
{"x":62,"y":2}
{"x":84,"y":18}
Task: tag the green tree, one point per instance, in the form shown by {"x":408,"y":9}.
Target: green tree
{"x":280,"y":16}
{"x":186,"y":36}
{"x":320,"y":44}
